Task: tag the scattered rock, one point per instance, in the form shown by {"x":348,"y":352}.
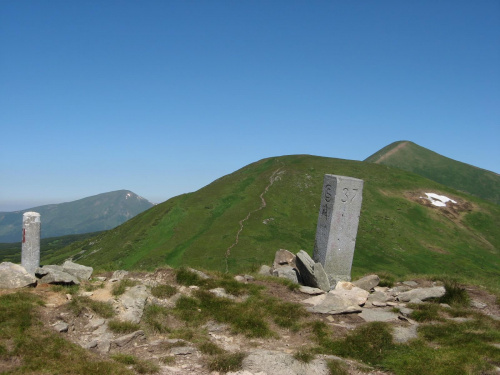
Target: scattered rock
{"x":311,"y":273}
{"x":202,"y":275}
{"x":348,"y":291}
{"x":331,"y":304}
{"x":402,"y":335}
{"x":79,"y":271}
{"x":378,"y":315}
{"x":477,"y":304}
{"x":124,"y":340}
{"x":14,"y":276}
{"x":132,"y":303}
{"x":182,"y":350}
{"x":287,"y":272}
{"x":53,"y":274}
{"x":221,"y":293}
{"x":265,"y":270}
{"x":277,"y":363}
{"x":283,"y":258}
{"x":310,"y":290}
{"x":422,"y":294}
{"x":61,"y":326}
{"x":368,"y":282}
{"x":119,"y":275}
{"x":410,"y":283}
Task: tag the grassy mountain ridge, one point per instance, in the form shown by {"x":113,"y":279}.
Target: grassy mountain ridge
{"x":397,"y":231}
{"x":90,"y":214}
{"x":461,"y":176}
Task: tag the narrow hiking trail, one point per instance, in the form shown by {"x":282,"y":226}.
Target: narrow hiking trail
{"x":274,"y":177}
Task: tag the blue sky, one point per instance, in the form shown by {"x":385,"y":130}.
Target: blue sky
{"x":163,"y":97}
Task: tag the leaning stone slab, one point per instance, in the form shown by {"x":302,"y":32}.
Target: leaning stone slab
{"x":368,"y":282}
{"x":287,"y":272}
{"x":14,"y":276}
{"x":52,"y":274}
{"x":77,"y":270}
{"x":422,"y":294}
{"x":312,"y":273}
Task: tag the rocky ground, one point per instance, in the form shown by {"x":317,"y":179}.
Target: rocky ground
{"x":346,"y":307}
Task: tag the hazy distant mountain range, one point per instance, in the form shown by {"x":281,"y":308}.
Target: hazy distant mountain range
{"x":91,"y":214}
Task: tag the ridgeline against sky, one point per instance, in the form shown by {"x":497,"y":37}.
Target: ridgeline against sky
{"x":164,"y":97}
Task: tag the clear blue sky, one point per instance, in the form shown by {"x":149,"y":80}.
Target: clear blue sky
{"x":163,"y":97}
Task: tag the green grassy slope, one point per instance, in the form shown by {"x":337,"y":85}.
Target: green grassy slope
{"x":91,"y":214}
{"x":11,"y":252}
{"x":395,"y":234}
{"x":464,"y":177}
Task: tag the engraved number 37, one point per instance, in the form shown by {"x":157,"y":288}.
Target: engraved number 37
{"x":348,"y":195}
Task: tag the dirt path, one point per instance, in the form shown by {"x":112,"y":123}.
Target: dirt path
{"x":386,"y":155}
{"x":263,"y":204}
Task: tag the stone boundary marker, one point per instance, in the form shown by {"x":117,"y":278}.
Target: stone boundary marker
{"x":338,"y":225}
{"x":30,"y":250}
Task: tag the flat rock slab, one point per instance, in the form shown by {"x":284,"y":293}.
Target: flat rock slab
{"x":378,"y":315}
{"x":13,"y":276}
{"x":53,"y":274}
{"x":351,"y":293}
{"x":79,"y":271}
{"x":422,"y":294}
{"x":402,"y":335}
{"x":277,"y":363}
{"x":124,"y":340}
{"x":132,"y":303}
{"x":331,"y":304}
{"x":310,"y":290}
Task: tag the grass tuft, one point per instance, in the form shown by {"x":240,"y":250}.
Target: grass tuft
{"x":336,"y":368}
{"x":120,"y":287}
{"x":425,"y":312}
{"x":103,"y":309}
{"x":226,"y":362}
{"x":118,"y":326}
{"x":455,"y":295}
{"x":141,"y":366}
{"x":163,"y":291}
{"x":210,"y":348}
{"x":304,"y":356}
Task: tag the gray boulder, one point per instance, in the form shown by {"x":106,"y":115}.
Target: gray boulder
{"x":312,"y":273}
{"x":278,"y":363}
{"x":378,"y":315}
{"x":52,"y":274}
{"x":333,"y":304}
{"x":283,"y":258}
{"x":77,"y":270}
{"x":368,"y":282}
{"x":132,"y":303}
{"x":287,"y":272}
{"x":265,"y":270}
{"x":422,"y":294}
{"x":14,"y":276}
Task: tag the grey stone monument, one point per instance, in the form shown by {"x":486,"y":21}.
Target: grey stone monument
{"x":338,"y":225}
{"x":30,"y":253}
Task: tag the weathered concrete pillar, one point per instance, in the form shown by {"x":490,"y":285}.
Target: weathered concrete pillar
{"x":338,"y":225}
{"x":30,"y":253}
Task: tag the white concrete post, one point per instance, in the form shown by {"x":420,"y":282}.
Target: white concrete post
{"x":30,"y":253}
{"x":338,"y":226}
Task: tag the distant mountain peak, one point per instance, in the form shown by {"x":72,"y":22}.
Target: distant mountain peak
{"x":91,"y":214}
{"x":411,"y":157}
